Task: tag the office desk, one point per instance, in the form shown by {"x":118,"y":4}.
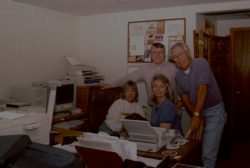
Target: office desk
{"x":64,"y":132}
{"x":190,"y":153}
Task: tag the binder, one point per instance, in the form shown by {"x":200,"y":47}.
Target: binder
{"x":99,"y":158}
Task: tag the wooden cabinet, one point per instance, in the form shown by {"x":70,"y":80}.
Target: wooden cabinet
{"x":82,"y":98}
{"x":82,"y":103}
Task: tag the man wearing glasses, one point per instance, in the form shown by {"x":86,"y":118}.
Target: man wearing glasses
{"x":201,"y":95}
{"x":146,"y":72}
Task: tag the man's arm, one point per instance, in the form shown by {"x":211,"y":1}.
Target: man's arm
{"x":135,"y":76}
{"x":187,"y":103}
{"x":200,"y":100}
{"x":105,"y":86}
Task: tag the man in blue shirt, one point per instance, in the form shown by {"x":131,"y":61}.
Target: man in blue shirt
{"x":201,"y":95}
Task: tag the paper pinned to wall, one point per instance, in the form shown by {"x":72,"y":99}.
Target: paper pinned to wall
{"x":173,"y":27}
{"x":136,"y":45}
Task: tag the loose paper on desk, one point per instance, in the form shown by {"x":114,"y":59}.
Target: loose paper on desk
{"x":124,"y":148}
{"x":70,"y":147}
{"x":11,"y":115}
{"x":90,"y":143}
{"x":113,"y":142}
{"x":149,"y":161}
{"x":100,"y":137}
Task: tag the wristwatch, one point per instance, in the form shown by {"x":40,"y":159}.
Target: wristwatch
{"x":196,"y":113}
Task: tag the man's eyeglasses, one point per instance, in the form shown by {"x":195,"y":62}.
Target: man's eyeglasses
{"x":178,"y":55}
{"x":157,"y":52}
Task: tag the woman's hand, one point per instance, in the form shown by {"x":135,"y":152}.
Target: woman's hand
{"x":178,"y":104}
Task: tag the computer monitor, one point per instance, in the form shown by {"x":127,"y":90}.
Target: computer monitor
{"x":65,"y":98}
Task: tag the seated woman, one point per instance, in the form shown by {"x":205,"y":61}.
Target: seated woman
{"x":164,"y":113}
{"x":121,"y":108}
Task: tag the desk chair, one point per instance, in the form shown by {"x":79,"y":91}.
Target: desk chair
{"x":95,"y":158}
{"x":98,"y":106}
{"x":197,"y":133}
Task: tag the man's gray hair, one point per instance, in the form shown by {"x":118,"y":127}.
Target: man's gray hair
{"x":182,"y":44}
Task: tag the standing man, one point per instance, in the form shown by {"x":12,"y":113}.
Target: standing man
{"x":146,"y":72}
{"x":201,"y":95}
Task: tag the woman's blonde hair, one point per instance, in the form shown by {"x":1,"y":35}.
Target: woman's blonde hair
{"x":133,"y":85}
{"x":165,"y":81}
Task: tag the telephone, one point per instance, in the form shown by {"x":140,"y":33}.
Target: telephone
{"x":174,"y":139}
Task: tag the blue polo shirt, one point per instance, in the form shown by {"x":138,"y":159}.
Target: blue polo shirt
{"x":200,"y":73}
{"x":166,"y":113}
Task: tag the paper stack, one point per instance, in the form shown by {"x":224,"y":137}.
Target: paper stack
{"x":124,"y":148}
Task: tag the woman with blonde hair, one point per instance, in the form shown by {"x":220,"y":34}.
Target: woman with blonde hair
{"x":121,"y":108}
{"x":164,"y":113}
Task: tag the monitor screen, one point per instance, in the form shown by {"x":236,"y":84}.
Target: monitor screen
{"x":65,"y":94}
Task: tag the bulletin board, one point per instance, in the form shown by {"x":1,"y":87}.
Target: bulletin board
{"x":142,"y":34}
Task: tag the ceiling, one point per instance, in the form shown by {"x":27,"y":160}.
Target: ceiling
{"x":95,"y":7}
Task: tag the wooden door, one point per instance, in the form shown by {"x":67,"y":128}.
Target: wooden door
{"x":216,"y":50}
{"x":240,"y":83}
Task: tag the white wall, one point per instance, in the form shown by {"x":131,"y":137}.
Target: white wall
{"x":200,"y":22}
{"x":34,"y":41}
{"x":224,"y":26}
{"x":104,"y":37}
{"x":33,"y":44}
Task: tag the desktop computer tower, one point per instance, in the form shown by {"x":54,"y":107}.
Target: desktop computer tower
{"x":36,"y":96}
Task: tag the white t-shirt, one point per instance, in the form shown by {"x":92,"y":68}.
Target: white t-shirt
{"x":119,"y":110}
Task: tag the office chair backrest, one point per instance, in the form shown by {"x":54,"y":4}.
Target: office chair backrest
{"x":95,"y":158}
{"x":197,"y":133}
{"x":99,"y":103}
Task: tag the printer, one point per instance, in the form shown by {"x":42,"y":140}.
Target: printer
{"x":17,"y":151}
{"x":147,"y":138}
{"x":152,"y":139}
{"x":75,"y":66}
{"x":83,"y":74}
{"x":36,"y":125}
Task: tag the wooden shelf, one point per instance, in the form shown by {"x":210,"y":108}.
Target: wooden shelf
{"x":78,"y":127}
{"x":68,"y":118}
